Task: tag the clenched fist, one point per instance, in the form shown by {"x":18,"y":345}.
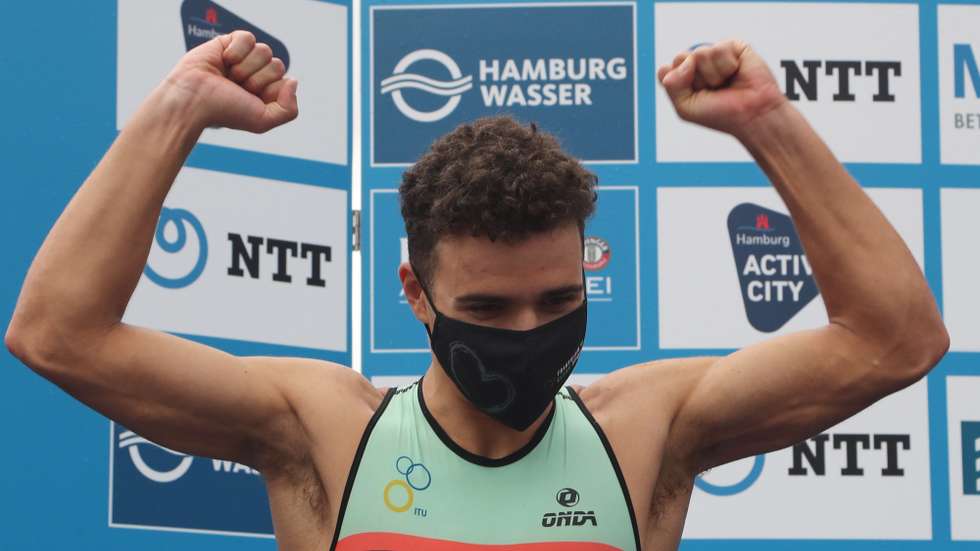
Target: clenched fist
{"x":230,"y":81}
{"x":723,"y":86}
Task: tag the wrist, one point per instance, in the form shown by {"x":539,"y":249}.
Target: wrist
{"x":769,"y":128}
{"x":176,"y":108}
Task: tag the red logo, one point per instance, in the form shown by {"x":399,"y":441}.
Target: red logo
{"x":597,"y":253}
{"x":762,"y":222}
{"x":211,"y":16}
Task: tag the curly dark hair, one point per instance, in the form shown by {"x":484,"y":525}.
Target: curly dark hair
{"x":496,"y":178}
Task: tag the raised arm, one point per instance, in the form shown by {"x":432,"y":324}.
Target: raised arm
{"x":67,"y":323}
{"x":884,"y":330}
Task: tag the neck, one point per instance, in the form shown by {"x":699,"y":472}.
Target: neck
{"x":467,"y":426}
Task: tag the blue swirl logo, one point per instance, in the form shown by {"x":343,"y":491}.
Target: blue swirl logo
{"x":738,"y":487}
{"x":453,"y":89}
{"x":179,"y":218}
{"x":132,"y":441}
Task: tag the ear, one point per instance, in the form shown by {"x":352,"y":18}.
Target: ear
{"x":417,"y":300}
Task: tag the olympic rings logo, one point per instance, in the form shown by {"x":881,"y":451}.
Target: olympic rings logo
{"x":417,"y":478}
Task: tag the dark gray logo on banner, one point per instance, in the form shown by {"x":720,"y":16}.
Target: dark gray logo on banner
{"x":203,"y":20}
{"x":773,"y":273}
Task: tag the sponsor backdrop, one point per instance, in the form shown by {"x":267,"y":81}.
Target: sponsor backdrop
{"x":691,"y":252}
{"x":251,"y":255}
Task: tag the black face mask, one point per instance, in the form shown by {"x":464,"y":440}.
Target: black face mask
{"x":510,"y":375}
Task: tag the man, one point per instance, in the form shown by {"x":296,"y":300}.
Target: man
{"x":494,"y":214}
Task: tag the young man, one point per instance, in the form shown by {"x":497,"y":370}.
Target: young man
{"x":489,"y":441}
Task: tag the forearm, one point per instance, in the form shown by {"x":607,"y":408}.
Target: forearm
{"x":869,"y":281}
{"x":88,"y":266}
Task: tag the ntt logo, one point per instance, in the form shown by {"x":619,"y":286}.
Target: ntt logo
{"x":401,"y":79}
{"x":173,"y":241}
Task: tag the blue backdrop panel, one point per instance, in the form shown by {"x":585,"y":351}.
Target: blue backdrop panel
{"x":412,"y":51}
{"x":469,"y":36}
{"x":69,"y":472}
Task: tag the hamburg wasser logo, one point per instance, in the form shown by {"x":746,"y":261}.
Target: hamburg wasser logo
{"x":568,"y":497}
{"x":774,"y":275}
{"x":132,"y":442}
{"x":175,"y":222}
{"x":437,"y":67}
{"x":452,"y":90}
{"x":399,"y":493}
{"x":970,"y":432}
{"x":152,"y":486}
{"x":203,"y":20}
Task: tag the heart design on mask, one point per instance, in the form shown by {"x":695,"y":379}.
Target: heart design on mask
{"x":491,"y":392}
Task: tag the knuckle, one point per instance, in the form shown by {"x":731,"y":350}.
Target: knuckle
{"x":251,"y":84}
{"x":247,"y":36}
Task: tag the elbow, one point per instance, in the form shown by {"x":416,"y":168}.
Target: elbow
{"x":918,"y":356}
{"x":936,"y":347}
{"x":13,"y":342}
{"x":37,"y":350}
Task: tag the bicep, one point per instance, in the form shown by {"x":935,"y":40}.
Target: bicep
{"x":185,"y":395}
{"x":776,"y":393}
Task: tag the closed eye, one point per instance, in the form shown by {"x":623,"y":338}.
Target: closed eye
{"x":560,"y":300}
{"x":484,"y":307}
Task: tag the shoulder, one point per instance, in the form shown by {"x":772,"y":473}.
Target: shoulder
{"x":330,"y":405}
{"x":636,"y":407}
{"x":302,"y":379}
{"x":641,"y":389}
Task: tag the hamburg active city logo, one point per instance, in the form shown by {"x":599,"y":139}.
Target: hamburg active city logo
{"x":453,"y":89}
{"x":133,"y":443}
{"x":171,"y":237}
{"x":774,"y":275}
{"x":203,"y":20}
{"x":399,"y":493}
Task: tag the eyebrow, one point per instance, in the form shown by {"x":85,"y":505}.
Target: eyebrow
{"x":487,"y":297}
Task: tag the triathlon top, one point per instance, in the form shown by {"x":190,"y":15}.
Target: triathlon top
{"x":412,"y":488}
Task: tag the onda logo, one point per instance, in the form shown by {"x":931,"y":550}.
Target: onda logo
{"x":171,"y":237}
{"x":773,"y":273}
{"x":452,"y":89}
{"x":132,"y":441}
{"x":203,"y":20}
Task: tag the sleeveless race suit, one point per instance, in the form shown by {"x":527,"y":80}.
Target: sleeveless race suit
{"x":412,"y":488}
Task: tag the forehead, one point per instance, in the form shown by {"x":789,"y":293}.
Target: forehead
{"x":466,"y":264}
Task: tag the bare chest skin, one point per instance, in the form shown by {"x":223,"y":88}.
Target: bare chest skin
{"x":305,"y":499}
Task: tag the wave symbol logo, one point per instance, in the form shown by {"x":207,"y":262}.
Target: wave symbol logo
{"x":452,"y":89}
{"x":178,"y":219}
{"x":131,"y":440}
